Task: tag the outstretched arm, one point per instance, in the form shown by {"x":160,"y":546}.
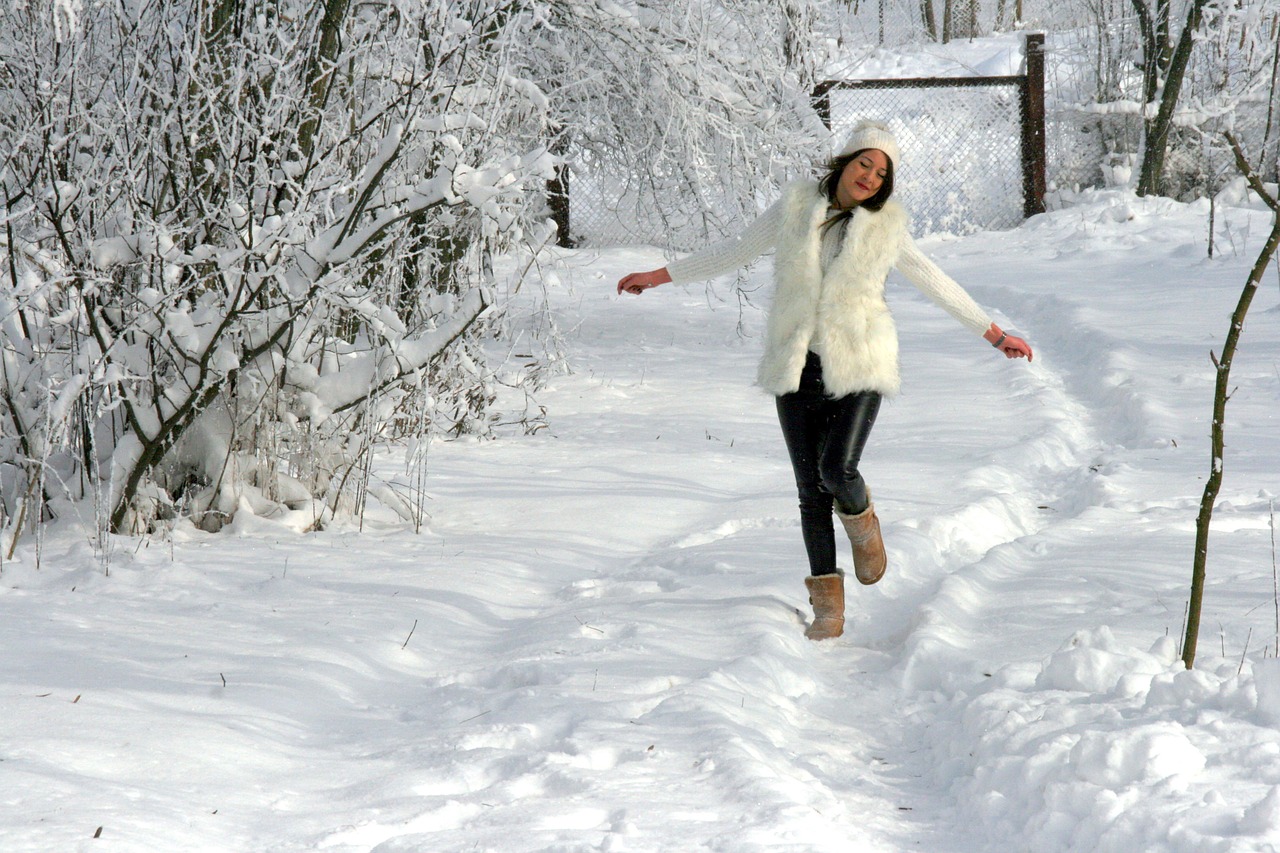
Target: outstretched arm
{"x":717,"y":259}
{"x":943,"y":290}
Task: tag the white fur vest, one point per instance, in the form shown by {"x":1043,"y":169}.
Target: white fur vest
{"x":860,"y":344}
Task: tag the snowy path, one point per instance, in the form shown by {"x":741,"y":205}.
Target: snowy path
{"x":598,"y":644}
{"x":819,"y":748}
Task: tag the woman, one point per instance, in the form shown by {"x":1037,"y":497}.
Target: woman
{"x":831,"y":349}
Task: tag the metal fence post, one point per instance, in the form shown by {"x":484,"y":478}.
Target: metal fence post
{"x":821,"y":100}
{"x":1033,"y":156}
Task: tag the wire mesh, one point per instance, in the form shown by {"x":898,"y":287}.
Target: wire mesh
{"x":961,"y":164}
{"x":609,"y":205}
{"x":960,"y":173}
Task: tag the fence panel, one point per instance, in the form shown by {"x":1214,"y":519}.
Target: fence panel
{"x":960,"y":169}
{"x":973,"y":157}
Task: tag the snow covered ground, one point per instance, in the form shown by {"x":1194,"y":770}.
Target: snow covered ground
{"x":597,"y":645}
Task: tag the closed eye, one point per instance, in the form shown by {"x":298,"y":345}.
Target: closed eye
{"x":869,"y":166}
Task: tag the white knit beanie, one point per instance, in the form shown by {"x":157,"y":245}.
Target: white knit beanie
{"x":872,"y":134}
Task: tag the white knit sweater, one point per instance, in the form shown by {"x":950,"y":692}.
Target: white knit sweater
{"x":846,"y":370}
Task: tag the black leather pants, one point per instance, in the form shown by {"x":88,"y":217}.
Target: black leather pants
{"x":825,"y":437}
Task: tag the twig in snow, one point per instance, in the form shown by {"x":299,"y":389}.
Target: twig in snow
{"x":476,"y":717}
{"x":592,"y":627}
{"x":411,"y":630}
{"x":1247,"y":638}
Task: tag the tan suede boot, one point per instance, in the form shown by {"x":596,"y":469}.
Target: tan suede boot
{"x":826,"y":594}
{"x":868,"y":548}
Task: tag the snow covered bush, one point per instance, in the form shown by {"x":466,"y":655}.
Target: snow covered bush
{"x":244,"y":238}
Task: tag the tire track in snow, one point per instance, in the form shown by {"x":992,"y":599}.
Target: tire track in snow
{"x":1087,"y":412}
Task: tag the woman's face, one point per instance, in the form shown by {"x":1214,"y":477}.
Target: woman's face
{"x":861,"y":179}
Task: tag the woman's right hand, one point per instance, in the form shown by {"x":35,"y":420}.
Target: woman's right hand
{"x":639,"y":282}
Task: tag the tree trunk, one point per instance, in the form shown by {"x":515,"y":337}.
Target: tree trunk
{"x":1150,"y":52}
{"x":558,"y":189}
{"x":320,"y":74}
{"x":1163,"y":40}
{"x":1152,"y":175}
{"x":797,"y":35}
{"x":792,"y":41}
{"x":929,"y":19}
{"x":1157,"y":51}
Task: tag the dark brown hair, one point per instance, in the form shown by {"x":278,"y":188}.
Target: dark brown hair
{"x":835,"y":168}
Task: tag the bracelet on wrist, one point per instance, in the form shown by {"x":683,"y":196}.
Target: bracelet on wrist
{"x":1000,"y":339}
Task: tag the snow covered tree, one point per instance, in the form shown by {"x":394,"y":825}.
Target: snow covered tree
{"x":1166,"y":68}
{"x":1154,"y":99}
{"x":245,"y":237}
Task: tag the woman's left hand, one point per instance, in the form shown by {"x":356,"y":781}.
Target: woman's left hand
{"x":1011,"y":345}
{"x":1016,"y":347}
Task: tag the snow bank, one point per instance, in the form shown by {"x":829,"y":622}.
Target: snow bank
{"x":1110,"y":748}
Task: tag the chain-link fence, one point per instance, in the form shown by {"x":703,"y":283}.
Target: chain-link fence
{"x":897,"y":22}
{"x":609,"y":205}
{"x":972,"y":159}
{"x":961,"y":168}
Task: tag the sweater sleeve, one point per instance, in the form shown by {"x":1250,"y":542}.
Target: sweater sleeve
{"x":930,"y":280}
{"x":728,"y":255}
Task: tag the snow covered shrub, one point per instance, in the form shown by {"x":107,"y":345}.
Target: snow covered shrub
{"x":243,"y":238}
